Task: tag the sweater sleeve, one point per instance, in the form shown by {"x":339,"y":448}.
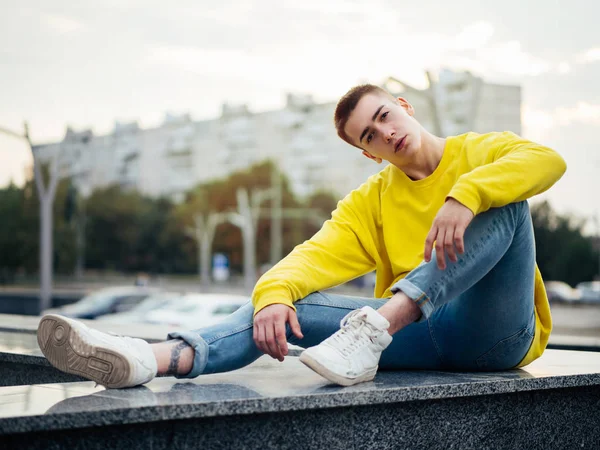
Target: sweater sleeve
{"x":340,"y":251}
{"x":508,"y":169}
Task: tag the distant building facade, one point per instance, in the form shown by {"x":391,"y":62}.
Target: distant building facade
{"x":170,"y":159}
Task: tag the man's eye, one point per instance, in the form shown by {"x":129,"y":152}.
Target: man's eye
{"x":384,"y":115}
{"x":369,"y":137}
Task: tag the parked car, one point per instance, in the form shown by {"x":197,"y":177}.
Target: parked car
{"x":104,"y":301}
{"x":561,"y":292}
{"x":193,"y":311}
{"x":140,"y":311}
{"x":590,"y":291}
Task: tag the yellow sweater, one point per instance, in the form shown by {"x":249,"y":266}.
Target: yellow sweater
{"x":383,"y":224}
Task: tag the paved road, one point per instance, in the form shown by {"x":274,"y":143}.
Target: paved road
{"x":582,"y":319}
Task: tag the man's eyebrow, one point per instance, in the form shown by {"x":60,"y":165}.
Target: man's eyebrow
{"x":366,"y":130}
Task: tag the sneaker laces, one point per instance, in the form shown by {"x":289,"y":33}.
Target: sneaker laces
{"x":351,"y":334}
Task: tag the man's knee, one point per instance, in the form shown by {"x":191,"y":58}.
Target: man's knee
{"x":313,"y":298}
{"x":513,"y":215}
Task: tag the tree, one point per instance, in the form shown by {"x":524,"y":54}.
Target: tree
{"x":220,"y":196}
{"x":123,"y":229}
{"x":19,"y":230}
{"x":562,"y":251}
{"x":11,"y":212}
{"x":64,"y":251}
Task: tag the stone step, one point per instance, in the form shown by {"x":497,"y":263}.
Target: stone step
{"x":552,"y":403}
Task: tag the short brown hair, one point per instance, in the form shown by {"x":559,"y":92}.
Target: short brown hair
{"x":347,"y":104}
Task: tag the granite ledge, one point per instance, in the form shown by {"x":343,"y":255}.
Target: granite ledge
{"x":256,"y":390}
{"x":149,"y":414}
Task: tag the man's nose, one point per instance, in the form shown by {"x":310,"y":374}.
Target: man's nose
{"x":389,"y":135}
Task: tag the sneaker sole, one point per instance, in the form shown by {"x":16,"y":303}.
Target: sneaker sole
{"x":64,"y":347}
{"x":313,"y":364}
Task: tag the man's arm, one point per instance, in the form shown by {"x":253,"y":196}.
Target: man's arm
{"x":342,"y":250}
{"x":510,"y":169}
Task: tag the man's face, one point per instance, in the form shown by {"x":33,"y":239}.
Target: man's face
{"x":384,"y":129}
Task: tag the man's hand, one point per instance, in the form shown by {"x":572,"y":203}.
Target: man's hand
{"x":269,"y":329}
{"x":447,"y":231}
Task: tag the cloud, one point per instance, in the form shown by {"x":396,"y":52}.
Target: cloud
{"x":473,"y":49}
{"x":330,"y":6}
{"x":217,"y":62}
{"x":63,"y":24}
{"x":324,"y":68}
{"x":16,"y":158}
{"x":582,"y":112}
{"x":564,"y":68}
{"x":327,"y":56}
{"x":474,"y":36}
{"x":510,"y":59}
{"x":588,"y":56}
{"x":327,"y":65}
{"x":538,"y":123}
{"x":504,"y":59}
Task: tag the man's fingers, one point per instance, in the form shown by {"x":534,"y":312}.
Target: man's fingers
{"x":294,"y":324}
{"x":271,"y":344}
{"x":429,"y":242}
{"x":459,"y":234}
{"x":255,"y":333}
{"x":449,"y":245}
{"x":280,"y":338}
{"x":269,"y":330}
{"x":439,"y":249}
{"x":260,"y":341}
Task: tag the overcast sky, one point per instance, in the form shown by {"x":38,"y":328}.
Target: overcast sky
{"x":87,"y":64}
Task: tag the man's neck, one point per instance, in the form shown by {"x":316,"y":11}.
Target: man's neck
{"x":427,"y":159}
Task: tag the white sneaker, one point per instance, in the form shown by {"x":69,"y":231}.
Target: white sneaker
{"x":112,"y":361}
{"x":351,"y":355}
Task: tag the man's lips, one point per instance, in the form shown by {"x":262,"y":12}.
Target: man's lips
{"x":399,"y":144}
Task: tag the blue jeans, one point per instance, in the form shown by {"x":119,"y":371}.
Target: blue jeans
{"x":478,"y":314}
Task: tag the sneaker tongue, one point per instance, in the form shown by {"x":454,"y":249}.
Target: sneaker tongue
{"x":375,"y":319}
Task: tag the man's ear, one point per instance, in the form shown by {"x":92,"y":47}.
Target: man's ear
{"x":407,"y":106}
{"x":374,"y":158}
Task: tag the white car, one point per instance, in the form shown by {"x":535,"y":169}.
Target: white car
{"x":194,"y":311}
{"x":559,"y":291}
{"x":104,"y":301}
{"x":139,"y":312}
{"x":590,"y":291}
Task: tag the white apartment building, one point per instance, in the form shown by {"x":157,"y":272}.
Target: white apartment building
{"x":181,"y":153}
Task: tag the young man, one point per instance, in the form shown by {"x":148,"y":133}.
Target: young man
{"x":445,"y":226}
